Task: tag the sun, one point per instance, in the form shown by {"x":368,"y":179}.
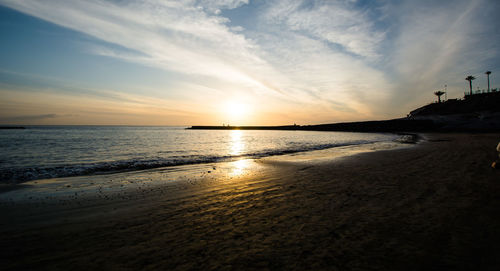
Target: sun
{"x":236,"y":111}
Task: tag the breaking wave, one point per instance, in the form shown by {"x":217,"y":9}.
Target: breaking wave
{"x":15,"y":175}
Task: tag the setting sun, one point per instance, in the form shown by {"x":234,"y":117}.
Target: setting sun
{"x":236,"y":111}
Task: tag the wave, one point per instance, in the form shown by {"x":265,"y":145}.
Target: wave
{"x":18,"y":175}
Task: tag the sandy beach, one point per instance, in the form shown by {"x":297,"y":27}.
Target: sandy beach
{"x":432,"y":206}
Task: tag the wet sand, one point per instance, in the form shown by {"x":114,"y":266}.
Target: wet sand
{"x":434,"y":206}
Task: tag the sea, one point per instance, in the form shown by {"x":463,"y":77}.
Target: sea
{"x":45,"y":152}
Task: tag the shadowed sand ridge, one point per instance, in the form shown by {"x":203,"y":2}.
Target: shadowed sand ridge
{"x":431,"y":207}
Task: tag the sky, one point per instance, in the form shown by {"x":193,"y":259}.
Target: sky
{"x":238,"y":62}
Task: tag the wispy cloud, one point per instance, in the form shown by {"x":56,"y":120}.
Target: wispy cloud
{"x":29,"y":118}
{"x":171,"y":35}
{"x":215,"y":6}
{"x":336,"y":22}
{"x":342,"y":60}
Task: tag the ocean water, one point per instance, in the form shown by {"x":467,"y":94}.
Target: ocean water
{"x":42,"y":152}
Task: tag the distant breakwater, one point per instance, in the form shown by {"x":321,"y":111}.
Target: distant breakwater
{"x":395,"y":125}
{"x":460,"y":123}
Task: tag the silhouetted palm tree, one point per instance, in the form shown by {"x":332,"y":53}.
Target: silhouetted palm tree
{"x":488,"y":74}
{"x":439,"y":93}
{"x":470,"y":78}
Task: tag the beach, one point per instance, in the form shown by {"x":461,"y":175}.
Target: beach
{"x":430,"y":206}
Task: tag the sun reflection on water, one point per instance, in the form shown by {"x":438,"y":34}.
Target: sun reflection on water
{"x":236,"y":144}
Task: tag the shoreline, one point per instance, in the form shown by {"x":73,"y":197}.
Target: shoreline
{"x":10,"y":184}
{"x":434,"y":205}
{"x":85,"y":187}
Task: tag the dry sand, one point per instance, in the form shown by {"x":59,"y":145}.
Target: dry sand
{"x":435,"y":206}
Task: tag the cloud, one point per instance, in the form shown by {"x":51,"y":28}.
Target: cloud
{"x":341,"y":60}
{"x":215,"y":6}
{"x":28,"y":118}
{"x":170,"y":34}
{"x":179,"y":36}
{"x":336,"y":22}
{"x":21,"y":106}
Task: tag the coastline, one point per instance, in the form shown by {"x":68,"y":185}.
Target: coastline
{"x":431,"y":206}
{"x":129,"y":181}
{"x":190,"y":151}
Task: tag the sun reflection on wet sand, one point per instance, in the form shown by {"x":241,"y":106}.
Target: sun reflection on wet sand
{"x":238,"y":167}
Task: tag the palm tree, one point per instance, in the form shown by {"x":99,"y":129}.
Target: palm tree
{"x":470,"y":78}
{"x":488,"y":74}
{"x":439,"y":93}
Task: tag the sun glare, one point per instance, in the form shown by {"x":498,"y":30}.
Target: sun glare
{"x":235,"y":111}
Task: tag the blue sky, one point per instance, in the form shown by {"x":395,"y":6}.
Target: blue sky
{"x":238,"y":61}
